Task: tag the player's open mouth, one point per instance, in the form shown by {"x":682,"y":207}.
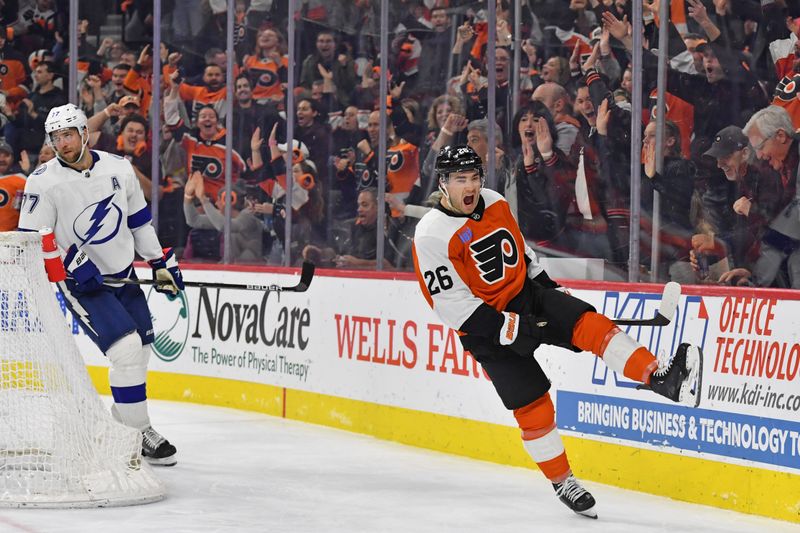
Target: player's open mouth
{"x":469,"y":199}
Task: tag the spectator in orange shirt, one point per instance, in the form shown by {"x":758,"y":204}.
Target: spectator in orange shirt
{"x":14,"y":69}
{"x":212,"y":93}
{"x":12,"y":184}
{"x":139,"y":79}
{"x":204,"y":145}
{"x":267,"y":67}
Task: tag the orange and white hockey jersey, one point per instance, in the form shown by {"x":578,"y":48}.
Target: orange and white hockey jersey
{"x":9,"y":212}
{"x":402,"y":167}
{"x":266,"y":77}
{"x":787,"y":92}
{"x":465,"y":261}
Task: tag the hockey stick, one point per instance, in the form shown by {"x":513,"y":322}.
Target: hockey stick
{"x":306,"y":275}
{"x":666,"y":311}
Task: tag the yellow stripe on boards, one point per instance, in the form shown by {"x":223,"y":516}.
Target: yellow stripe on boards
{"x":739,"y":488}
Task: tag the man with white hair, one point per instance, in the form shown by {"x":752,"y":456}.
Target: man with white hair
{"x":772,"y":136}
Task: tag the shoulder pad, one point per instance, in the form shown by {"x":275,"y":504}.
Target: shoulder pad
{"x":39,"y":170}
{"x":115,"y":156}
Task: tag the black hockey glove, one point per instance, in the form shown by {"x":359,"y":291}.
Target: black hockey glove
{"x":521,"y":333}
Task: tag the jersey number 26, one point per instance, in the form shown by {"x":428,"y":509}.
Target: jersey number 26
{"x":438,"y":280}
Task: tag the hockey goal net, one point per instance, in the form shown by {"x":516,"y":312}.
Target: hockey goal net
{"x":59,"y":445}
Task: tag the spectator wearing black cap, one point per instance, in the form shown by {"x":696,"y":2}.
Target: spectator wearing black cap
{"x":735,"y":212}
{"x":758,"y":187}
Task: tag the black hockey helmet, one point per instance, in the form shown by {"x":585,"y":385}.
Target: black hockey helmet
{"x":457,"y":159}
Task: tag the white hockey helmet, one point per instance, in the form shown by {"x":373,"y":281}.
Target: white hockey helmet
{"x":64,"y":116}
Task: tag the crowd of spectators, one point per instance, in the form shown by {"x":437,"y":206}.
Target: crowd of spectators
{"x":726,"y":187}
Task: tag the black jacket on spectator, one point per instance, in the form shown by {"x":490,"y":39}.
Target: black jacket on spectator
{"x":317,"y":138}
{"x":676,"y":185}
{"x":730,"y":101}
{"x":246,"y":120}
{"x":31,"y":130}
{"x":613,"y":154}
{"x":545,"y":190}
{"x":433,"y":63}
{"x":346,"y":139}
{"x":344,"y":76}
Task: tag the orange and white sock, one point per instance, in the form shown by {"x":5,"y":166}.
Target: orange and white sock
{"x":596,"y":333}
{"x":541,"y":438}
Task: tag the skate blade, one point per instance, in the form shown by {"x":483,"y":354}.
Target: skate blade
{"x":692,"y":388}
{"x":164,"y":461}
{"x":588,"y":513}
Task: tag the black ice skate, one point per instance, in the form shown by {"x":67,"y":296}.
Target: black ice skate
{"x":575,"y":497}
{"x":156,"y":449}
{"x":681,"y":379}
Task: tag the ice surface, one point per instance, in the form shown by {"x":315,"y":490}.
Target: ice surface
{"x":245,"y":472}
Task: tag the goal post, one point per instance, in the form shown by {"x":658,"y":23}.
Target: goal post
{"x":59,"y":445}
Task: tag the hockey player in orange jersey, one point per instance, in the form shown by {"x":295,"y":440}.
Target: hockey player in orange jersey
{"x":476,"y":272}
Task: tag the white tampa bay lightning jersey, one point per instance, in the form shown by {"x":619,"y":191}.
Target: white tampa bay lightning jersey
{"x":102,"y":211}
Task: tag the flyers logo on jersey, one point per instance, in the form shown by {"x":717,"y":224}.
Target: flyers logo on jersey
{"x":208,"y":166}
{"x":493,"y":253}
{"x":396,"y":160}
{"x":787,"y":88}
{"x":267,"y":78}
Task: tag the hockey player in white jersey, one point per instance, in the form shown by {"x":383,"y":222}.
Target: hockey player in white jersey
{"x":95,"y":205}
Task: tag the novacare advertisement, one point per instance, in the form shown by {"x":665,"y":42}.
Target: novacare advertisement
{"x":376,"y":340}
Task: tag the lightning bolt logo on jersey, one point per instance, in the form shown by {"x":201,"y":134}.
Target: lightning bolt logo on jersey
{"x":463,"y":261}
{"x":98,"y":223}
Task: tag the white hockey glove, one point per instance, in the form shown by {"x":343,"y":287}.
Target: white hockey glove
{"x":166,"y":273}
